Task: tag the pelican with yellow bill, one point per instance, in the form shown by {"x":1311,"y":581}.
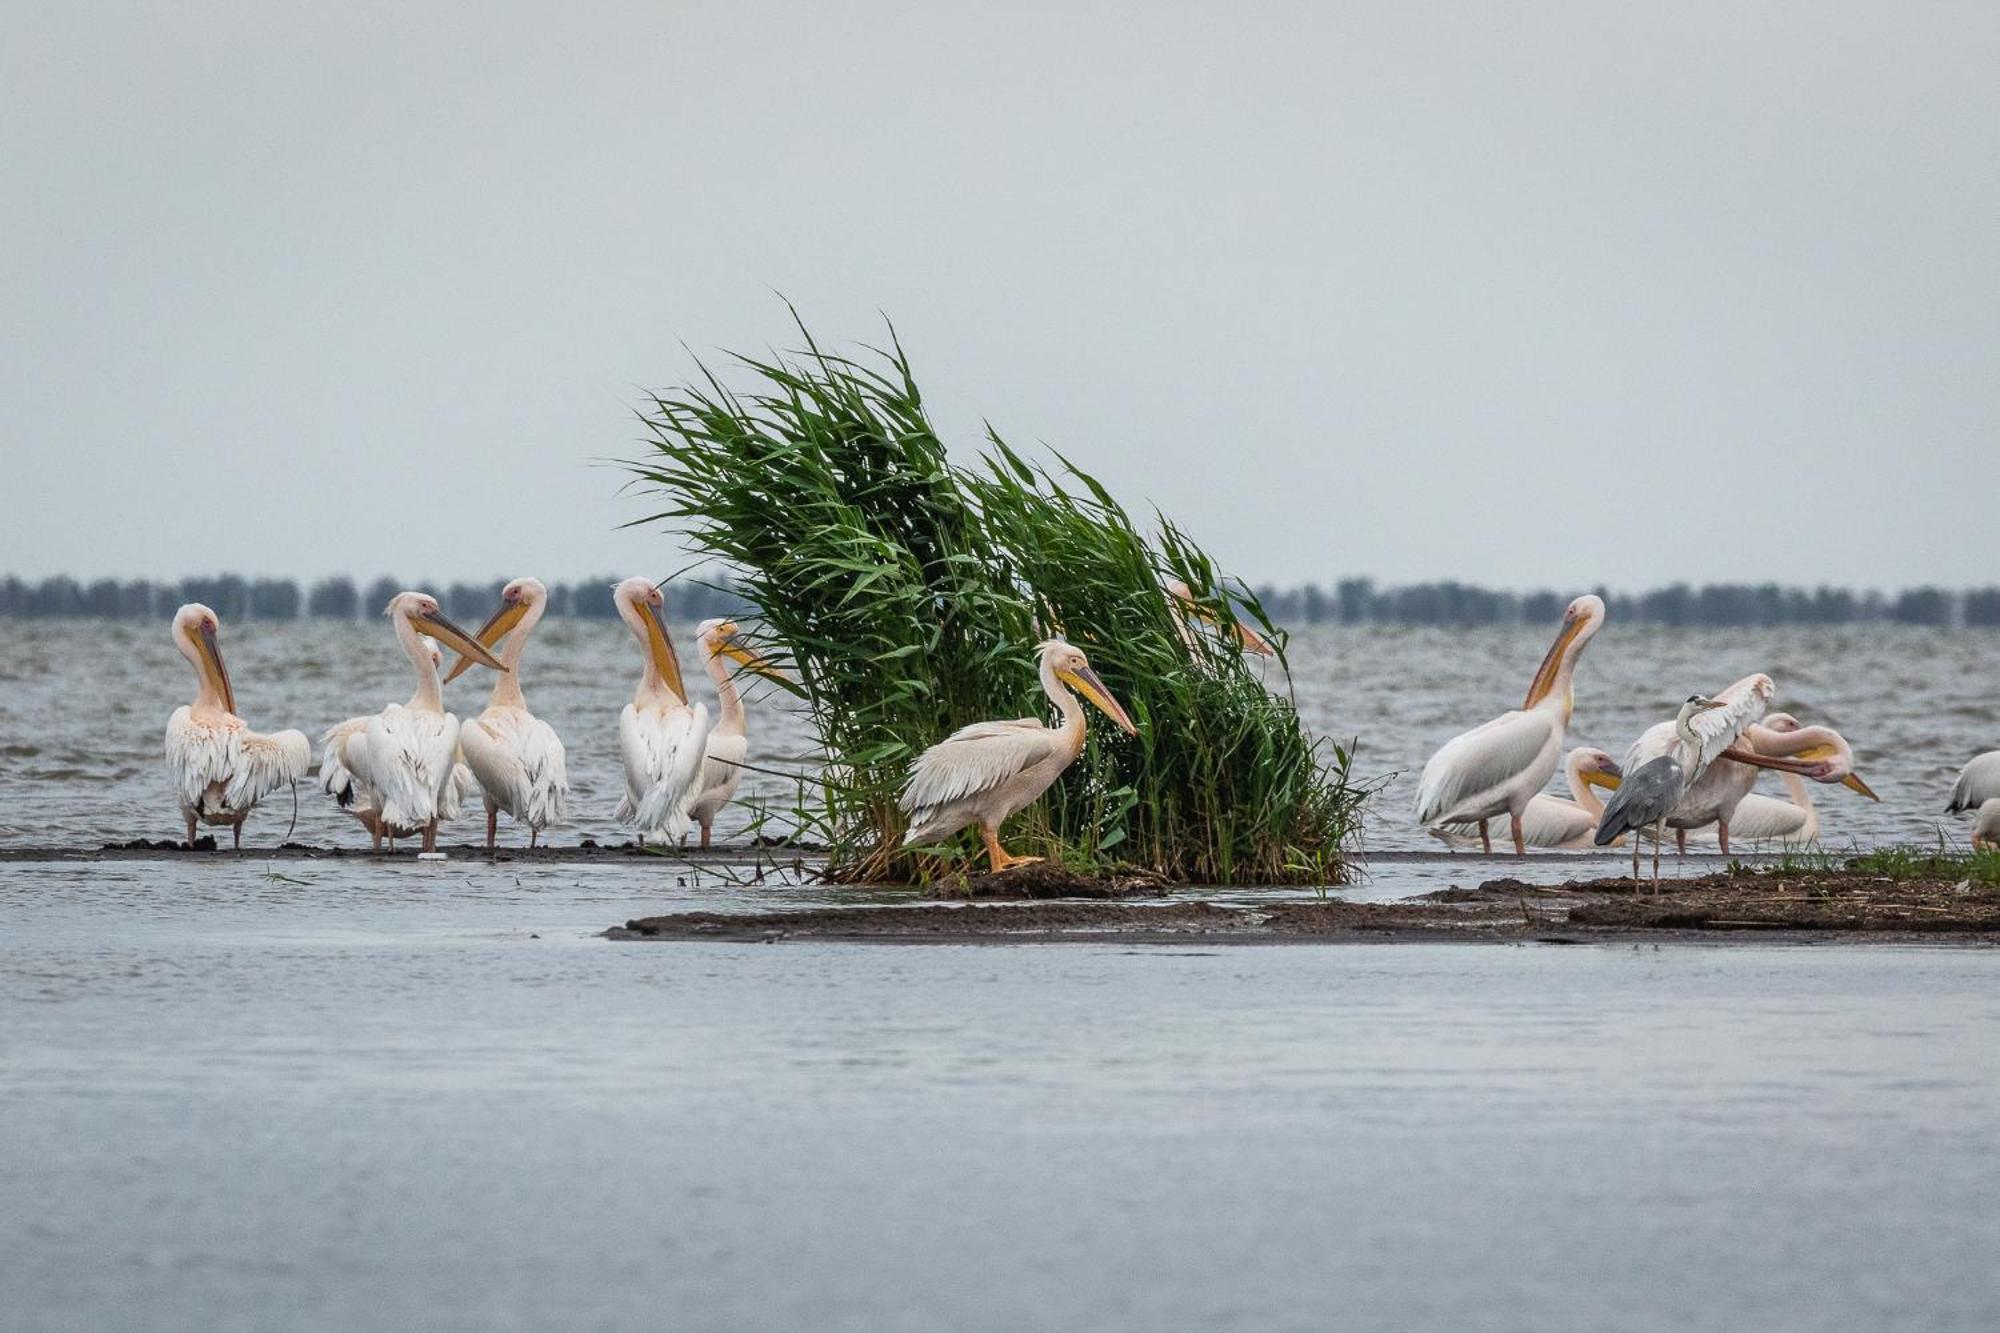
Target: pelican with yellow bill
{"x":724,"y":653}
{"x":984,"y":773}
{"x":219,"y":767}
{"x":405,"y":759}
{"x":516,"y":757}
{"x":662,"y":739}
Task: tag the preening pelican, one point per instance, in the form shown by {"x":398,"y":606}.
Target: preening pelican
{"x":356,"y":801}
{"x":1658,"y":773}
{"x":220,"y":768}
{"x":660,"y":738}
{"x":405,"y":757}
{"x":1978,"y":790}
{"x":984,"y":773}
{"x":1760,"y":818}
{"x":1498,"y":768}
{"x":1554,"y":821}
{"x":1182,"y":603}
{"x":516,"y":757}
{"x":728,"y":744}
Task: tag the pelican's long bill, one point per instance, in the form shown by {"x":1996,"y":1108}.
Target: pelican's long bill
{"x":665,"y":661}
{"x":211,"y":662}
{"x":1085,"y":682}
{"x":1852,"y":781}
{"x":1545,"y":674}
{"x":495,"y":629}
{"x":1252,"y":641}
{"x":451,"y":636}
{"x":1597,"y":777}
{"x":751,"y":660}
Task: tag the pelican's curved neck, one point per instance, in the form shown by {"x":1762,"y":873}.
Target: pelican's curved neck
{"x":1801,"y":793}
{"x":730,"y":712}
{"x":1066,"y":703}
{"x":1582,"y":792}
{"x":430,"y":695}
{"x":507,"y":684}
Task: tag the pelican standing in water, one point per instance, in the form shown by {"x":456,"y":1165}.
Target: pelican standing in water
{"x":404,"y":759}
{"x":1553,"y":821}
{"x":516,"y":757}
{"x":1498,"y":768}
{"x":982,"y":774}
{"x":660,"y":738}
{"x":1978,"y":791}
{"x":354,"y":800}
{"x":221,"y":768}
{"x":728,"y":743}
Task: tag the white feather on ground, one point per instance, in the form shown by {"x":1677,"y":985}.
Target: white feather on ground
{"x":662,"y":750}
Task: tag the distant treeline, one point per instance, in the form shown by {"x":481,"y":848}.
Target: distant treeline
{"x":1349,"y":602}
{"x":234,"y":598}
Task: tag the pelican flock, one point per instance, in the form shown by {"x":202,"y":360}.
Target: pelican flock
{"x":406,"y":769}
{"x":219,"y":767}
{"x":982,"y":774}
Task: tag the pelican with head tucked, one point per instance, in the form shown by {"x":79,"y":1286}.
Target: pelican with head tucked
{"x":1497,"y":768}
{"x":660,"y":738}
{"x":1794,"y":822}
{"x":721,"y":645}
{"x":1553,"y":821}
{"x":220,"y":768}
{"x":1977,"y":790}
{"x":405,"y":758}
{"x":516,"y":757}
{"x":982,"y":774}
{"x":355,"y":800}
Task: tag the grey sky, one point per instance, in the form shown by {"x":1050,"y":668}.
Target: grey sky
{"x":1530,"y":295}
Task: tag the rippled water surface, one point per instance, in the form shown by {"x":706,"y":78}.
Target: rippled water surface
{"x":240,"y":1093}
{"x":82,"y":708}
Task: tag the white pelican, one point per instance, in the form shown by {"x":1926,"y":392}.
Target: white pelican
{"x":1555,"y":821}
{"x":1796,"y":821}
{"x":1497,"y":768}
{"x":660,"y":738}
{"x":221,"y":768}
{"x":981,"y":774}
{"x":728,"y":745}
{"x":405,"y":757}
{"x":516,"y":757}
{"x":1716,"y":797}
{"x":1182,"y":603}
{"x":1977,"y":789}
{"x":355,"y":801}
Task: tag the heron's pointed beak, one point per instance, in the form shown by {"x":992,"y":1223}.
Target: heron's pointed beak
{"x":495,"y":629}
{"x":660,"y":648}
{"x":211,"y":665}
{"x":1085,"y":682}
{"x":451,"y":636}
{"x":1545,"y":674}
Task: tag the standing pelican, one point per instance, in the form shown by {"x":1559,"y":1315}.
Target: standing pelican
{"x":1182,"y":603}
{"x":1554,"y":821}
{"x":1977,"y":790}
{"x":220,"y":768}
{"x":516,"y":757}
{"x":1818,"y":753}
{"x":981,"y":774}
{"x":354,"y":800}
{"x":405,"y":757}
{"x":660,"y":738}
{"x":1497,"y":768}
{"x":728,"y":744}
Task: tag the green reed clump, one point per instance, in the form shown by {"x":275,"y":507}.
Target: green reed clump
{"x":910,"y":594}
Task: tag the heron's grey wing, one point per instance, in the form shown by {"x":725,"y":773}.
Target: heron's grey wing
{"x":975,"y":759}
{"x":1479,"y":760}
{"x":1978,"y":783}
{"x":1743,"y":703}
{"x":1643,"y":799}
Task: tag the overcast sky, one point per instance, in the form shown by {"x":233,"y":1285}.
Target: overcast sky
{"x":1525,"y":294}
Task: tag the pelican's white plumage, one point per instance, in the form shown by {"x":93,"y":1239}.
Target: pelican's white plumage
{"x":219,"y":767}
{"x":1553,"y":821}
{"x":728,"y":743}
{"x":355,"y":800}
{"x":516,"y":757}
{"x":1978,"y":783}
{"x":1497,"y":768}
{"x":405,"y":758}
{"x":983,"y":773}
{"x":661,"y":740}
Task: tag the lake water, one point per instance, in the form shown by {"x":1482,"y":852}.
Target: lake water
{"x":250,"y":1094}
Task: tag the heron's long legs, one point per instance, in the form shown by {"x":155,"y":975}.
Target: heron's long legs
{"x":1659,"y":837}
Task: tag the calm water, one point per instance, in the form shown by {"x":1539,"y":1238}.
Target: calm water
{"x":246,"y":1094}
{"x":82,"y":708}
